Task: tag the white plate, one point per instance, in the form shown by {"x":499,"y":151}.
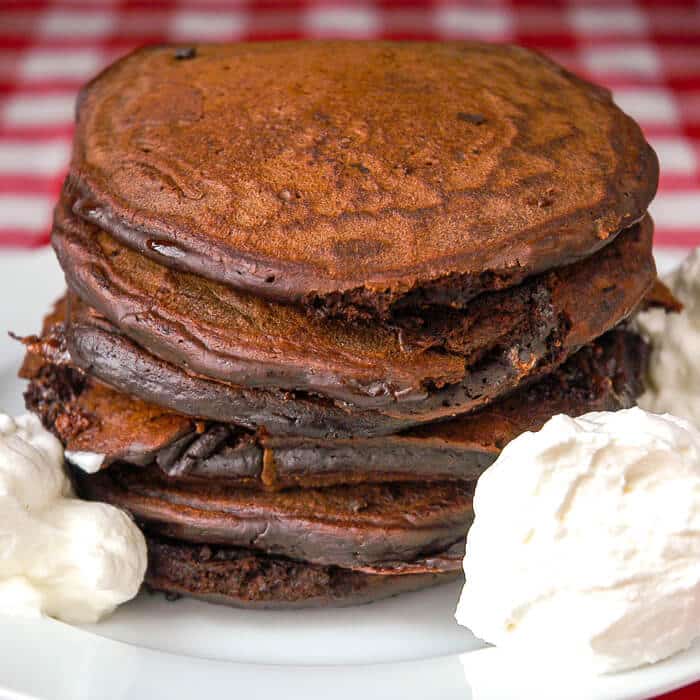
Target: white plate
{"x":407,"y":647}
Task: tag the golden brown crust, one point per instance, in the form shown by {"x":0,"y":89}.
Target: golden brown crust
{"x":295,"y":169}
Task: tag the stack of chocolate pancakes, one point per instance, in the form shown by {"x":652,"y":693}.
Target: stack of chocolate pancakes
{"x":314,"y":288}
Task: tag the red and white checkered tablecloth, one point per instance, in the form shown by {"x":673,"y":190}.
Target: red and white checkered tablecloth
{"x":647,"y":51}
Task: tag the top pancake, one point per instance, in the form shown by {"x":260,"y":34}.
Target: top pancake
{"x":304,"y":171}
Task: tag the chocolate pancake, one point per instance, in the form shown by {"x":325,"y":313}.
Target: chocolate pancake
{"x":243,"y":578}
{"x":96,"y":347}
{"x":446,"y":169}
{"x":372,"y":527}
{"x":483,"y":351}
{"x":236,"y":337}
{"x":89,"y":416}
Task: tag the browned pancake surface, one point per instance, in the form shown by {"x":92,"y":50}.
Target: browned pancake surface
{"x":87,"y":415}
{"x":307,"y":169}
{"x":349,"y":526}
{"x":220,"y":333}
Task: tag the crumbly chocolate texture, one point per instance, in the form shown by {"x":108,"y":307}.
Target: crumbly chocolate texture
{"x":90,"y":417}
{"x":354,"y":526}
{"x":52,"y":395}
{"x":87,"y":415}
{"x":451,"y":364}
{"x":244,"y":578}
{"x":603,"y":376}
{"x":459,"y":162}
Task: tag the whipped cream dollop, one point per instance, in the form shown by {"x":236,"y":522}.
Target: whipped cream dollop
{"x":673,"y":375}
{"x":59,"y":556}
{"x":89,"y":462}
{"x":585,"y":547}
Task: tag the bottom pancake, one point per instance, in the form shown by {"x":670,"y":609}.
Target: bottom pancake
{"x":242,"y":578}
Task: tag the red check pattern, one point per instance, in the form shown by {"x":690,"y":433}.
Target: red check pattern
{"x":646,"y":51}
